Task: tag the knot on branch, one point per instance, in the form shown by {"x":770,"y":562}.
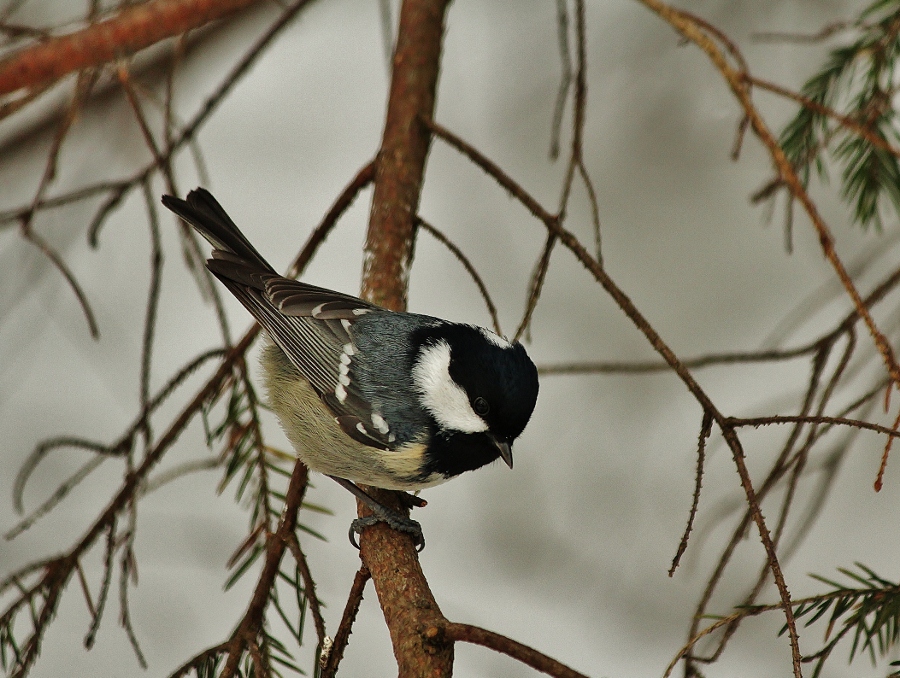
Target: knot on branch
{"x":434,"y":636}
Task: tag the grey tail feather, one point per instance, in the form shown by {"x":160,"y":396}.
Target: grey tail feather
{"x":202,"y":211}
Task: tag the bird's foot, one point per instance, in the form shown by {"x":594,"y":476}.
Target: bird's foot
{"x":394,"y":521}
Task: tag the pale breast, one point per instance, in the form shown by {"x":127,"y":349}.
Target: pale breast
{"x":321,"y":444}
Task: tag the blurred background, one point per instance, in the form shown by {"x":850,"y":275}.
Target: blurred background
{"x":569,"y":552}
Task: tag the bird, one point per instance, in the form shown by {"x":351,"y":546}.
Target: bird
{"x":367,"y":395}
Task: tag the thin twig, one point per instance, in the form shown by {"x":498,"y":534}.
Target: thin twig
{"x":455,"y":632}
{"x":309,"y":586}
{"x":777,"y":419}
{"x":342,"y":637}
{"x":705,"y":430}
{"x":807,"y":38}
{"x":30,"y":235}
{"x":470,"y":269}
{"x":103,"y":594}
{"x":565,"y":79}
{"x":654,"y":366}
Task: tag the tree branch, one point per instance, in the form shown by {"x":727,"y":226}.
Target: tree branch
{"x":570,"y":241}
{"x":250,"y":627}
{"x":403,"y":592}
{"x":691,"y":30}
{"x":529,"y":656}
{"x":130,"y":30}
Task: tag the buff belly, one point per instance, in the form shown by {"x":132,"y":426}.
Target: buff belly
{"x":323,"y":446}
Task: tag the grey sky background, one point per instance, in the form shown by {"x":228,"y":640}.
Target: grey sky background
{"x":569,"y":551}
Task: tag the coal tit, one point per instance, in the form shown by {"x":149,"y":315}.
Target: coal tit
{"x":399,"y":401}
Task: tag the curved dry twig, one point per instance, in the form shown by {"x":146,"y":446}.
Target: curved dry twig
{"x":61,"y":266}
{"x":705,"y":431}
{"x":455,"y":632}
{"x":470,"y":269}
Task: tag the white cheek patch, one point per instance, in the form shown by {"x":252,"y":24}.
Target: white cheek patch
{"x":442,"y":397}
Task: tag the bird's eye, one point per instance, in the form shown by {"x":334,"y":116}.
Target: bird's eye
{"x":481,"y":406}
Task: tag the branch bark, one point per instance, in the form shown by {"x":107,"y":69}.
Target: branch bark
{"x":406,"y":600}
{"x":128,"y":31}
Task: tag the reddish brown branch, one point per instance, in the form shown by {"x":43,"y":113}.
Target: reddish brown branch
{"x":403,"y":592}
{"x":128,"y":31}
{"x":529,"y":656}
{"x":404,"y":148}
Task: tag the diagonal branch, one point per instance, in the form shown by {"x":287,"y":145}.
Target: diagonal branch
{"x":331,"y":658}
{"x":130,"y":30}
{"x":250,"y":627}
{"x":689,"y":28}
{"x":512,"y":648}
{"x":570,"y":241}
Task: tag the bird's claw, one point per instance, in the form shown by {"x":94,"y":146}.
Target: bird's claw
{"x":393,"y":521}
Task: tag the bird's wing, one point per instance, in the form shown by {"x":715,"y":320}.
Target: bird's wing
{"x":311,"y":325}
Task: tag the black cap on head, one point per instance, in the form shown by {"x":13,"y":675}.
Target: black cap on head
{"x":498,"y":376}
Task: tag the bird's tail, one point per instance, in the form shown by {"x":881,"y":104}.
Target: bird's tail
{"x":202,"y":211}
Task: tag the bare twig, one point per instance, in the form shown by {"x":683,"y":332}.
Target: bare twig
{"x":776,"y":419}
{"x":530,"y":657}
{"x":807,"y":38}
{"x":342,"y":637}
{"x":653,"y":366}
{"x":565,"y":80}
{"x":470,"y":269}
{"x":705,"y":430}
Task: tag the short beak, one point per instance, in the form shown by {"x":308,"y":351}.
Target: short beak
{"x":505,"y":450}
